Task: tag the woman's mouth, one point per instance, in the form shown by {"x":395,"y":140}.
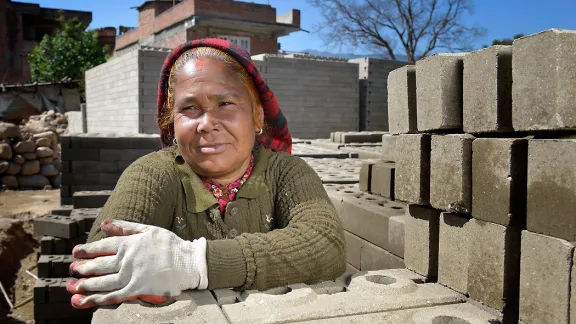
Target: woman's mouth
{"x":212,"y":148}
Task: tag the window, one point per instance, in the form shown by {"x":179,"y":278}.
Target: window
{"x":241,"y":41}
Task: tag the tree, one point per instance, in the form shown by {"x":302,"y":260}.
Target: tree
{"x":505,"y":41}
{"x":67,"y":54}
{"x":416,"y":27}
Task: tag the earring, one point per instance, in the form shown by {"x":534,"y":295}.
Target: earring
{"x":260,"y":132}
{"x":174,"y":142}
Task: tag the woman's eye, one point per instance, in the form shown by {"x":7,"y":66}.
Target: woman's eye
{"x":226,"y":104}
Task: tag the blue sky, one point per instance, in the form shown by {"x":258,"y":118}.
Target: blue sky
{"x":501,"y":18}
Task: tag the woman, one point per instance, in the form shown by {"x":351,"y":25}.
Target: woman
{"x":223,"y":205}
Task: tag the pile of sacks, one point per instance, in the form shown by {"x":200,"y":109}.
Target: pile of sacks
{"x":30,"y":157}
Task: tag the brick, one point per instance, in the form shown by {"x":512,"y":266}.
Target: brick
{"x":46,"y":246}
{"x":439,"y":92}
{"x":366,"y":175}
{"x":58,"y":293}
{"x":545,"y":265}
{"x":353,"y":249}
{"x":62,"y":210}
{"x":60,"y":267}
{"x":543,"y":96}
{"x":91,"y":199}
{"x":383,"y":179}
{"x":361,"y":137}
{"x":421,"y":240}
{"x":57,"y":226}
{"x":402,"y":100}
{"x":451,"y":173}
{"x":499,"y":170}
{"x":494,"y":271}
{"x":41,"y":290}
{"x":376,"y":258}
{"x":88,"y":214}
{"x":389,"y":147}
{"x":413,"y":169}
{"x":45,"y":264}
{"x":488,"y":90}
{"x":454,"y":251}
{"x":552,"y":188}
{"x":396,"y":235}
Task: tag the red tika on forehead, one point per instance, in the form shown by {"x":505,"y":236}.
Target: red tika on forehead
{"x":200,"y":63}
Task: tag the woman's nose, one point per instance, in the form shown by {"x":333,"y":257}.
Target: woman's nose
{"x":207,"y":122}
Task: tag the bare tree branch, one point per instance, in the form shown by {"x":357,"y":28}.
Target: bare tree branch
{"x":414,"y":27}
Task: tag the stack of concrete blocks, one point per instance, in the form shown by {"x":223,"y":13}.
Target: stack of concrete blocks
{"x":490,"y":210}
{"x":77,"y":122}
{"x":373,"y":85}
{"x":121,"y":94}
{"x":95,"y":161}
{"x":317,"y":96}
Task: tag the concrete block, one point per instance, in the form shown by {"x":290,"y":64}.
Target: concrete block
{"x":123,"y":154}
{"x":73,"y":154}
{"x":369,"y":292}
{"x":413,"y":169}
{"x":499,"y":170}
{"x":57,"y":292}
{"x":57,"y":312}
{"x":552,"y":188}
{"x":376,"y":258}
{"x":361,"y":137}
{"x":366,"y":175}
{"x":396,"y":235}
{"x":46,"y":246}
{"x":439,"y":92}
{"x":402,"y":100}
{"x":545,"y":272}
{"x":451,"y":173}
{"x":494,"y":267}
{"x":46,"y":263}
{"x":41,"y":289}
{"x":58,"y":226}
{"x":543,"y":96}
{"x":91,"y":199}
{"x":64,"y":210}
{"x":353,"y":249}
{"x":454,"y":251}
{"x":383,"y":179}
{"x":94,"y":166}
{"x":88,"y":214}
{"x":488,"y":90}
{"x":421,"y":233}
{"x":389,"y":147}
{"x":192,"y":307}
{"x":445,"y":314}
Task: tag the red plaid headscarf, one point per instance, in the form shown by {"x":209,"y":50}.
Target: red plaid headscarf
{"x":276,"y":137}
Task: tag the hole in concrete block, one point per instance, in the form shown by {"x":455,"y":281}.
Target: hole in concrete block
{"x":396,"y":207}
{"x":278,"y":291}
{"x":348,"y":191}
{"x":382,"y":280}
{"x":418,"y":281}
{"x":449,"y":320}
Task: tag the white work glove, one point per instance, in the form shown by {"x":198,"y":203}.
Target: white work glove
{"x":137,"y":262}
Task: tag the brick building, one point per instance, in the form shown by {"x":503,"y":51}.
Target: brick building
{"x":168,"y":23}
{"x":22,"y":26}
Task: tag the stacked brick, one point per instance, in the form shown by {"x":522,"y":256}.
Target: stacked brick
{"x":373,"y":96}
{"x":485,"y":160}
{"x":63,"y":229}
{"x":95,"y":161}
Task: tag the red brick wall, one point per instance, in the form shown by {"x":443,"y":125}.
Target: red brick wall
{"x":128,"y":38}
{"x":146,"y":16}
{"x":180,"y":12}
{"x":263,"y":45}
{"x":236,"y":10}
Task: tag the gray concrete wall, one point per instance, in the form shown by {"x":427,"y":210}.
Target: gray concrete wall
{"x":316,"y":96}
{"x":150,"y":64}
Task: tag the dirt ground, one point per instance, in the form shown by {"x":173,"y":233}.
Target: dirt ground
{"x":26,"y":205}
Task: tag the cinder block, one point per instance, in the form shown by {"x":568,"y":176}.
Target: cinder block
{"x":402,"y":100}
{"x":389,"y":147}
{"x":88,"y":214}
{"x":41,"y":290}
{"x":73,"y":154}
{"x":57,"y":226}
{"x":59,"y":312}
{"x":451,"y":173}
{"x":62,"y":210}
{"x":439,"y":92}
{"x":193,"y":307}
{"x":383,"y":179}
{"x":45,"y":265}
{"x":396,"y":235}
{"x":361,"y":137}
{"x":46,"y":246}
{"x":91,"y":199}
{"x":499,"y":170}
{"x":368,"y":292}
{"x":543,"y":96}
{"x":57,"y":292}
{"x":413,"y":169}
{"x":123,"y":154}
{"x":494,"y":271}
{"x":488,"y":90}
{"x":421,"y":233}
{"x":552,"y":188}
{"x":545,"y":265}
{"x":353,"y":249}
{"x":454,"y":251}
{"x":376,"y":258}
{"x":94,"y":166}
{"x":366,"y":175}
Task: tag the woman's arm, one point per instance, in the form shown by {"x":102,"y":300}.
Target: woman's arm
{"x":308,"y":248}
{"x":144,"y":194}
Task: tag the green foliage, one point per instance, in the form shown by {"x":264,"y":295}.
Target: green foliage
{"x":67,"y":54}
{"x":505,"y":41}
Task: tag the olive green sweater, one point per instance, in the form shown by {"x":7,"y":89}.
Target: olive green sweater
{"x":281,"y":229}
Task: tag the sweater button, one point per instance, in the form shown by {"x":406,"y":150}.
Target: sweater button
{"x":233,"y":233}
{"x":233,"y":211}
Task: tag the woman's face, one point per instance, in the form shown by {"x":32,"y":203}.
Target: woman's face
{"x":213,"y":119}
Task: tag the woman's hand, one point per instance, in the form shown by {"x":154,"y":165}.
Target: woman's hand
{"x":137,"y":262}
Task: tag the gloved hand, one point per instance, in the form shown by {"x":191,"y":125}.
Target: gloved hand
{"x":138,"y":261}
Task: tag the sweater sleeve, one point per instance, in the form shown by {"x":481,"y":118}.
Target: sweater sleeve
{"x":144,"y":194}
{"x":308,"y":248}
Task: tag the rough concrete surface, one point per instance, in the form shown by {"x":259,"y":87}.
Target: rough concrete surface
{"x":488,"y":90}
{"x":439,"y":92}
{"x":402,"y":100}
{"x":451,"y":173}
{"x":389,"y":147}
{"x":552,"y":188}
{"x":396,"y":235}
{"x":494,"y":271}
{"x":454,"y":251}
{"x":544,"y":76}
{"x":421,"y":232}
{"x":382,"y":182}
{"x":413,"y":169}
{"x":376,"y":258}
{"x":499,"y":168}
{"x":545,"y":265}
{"x":373,"y":291}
